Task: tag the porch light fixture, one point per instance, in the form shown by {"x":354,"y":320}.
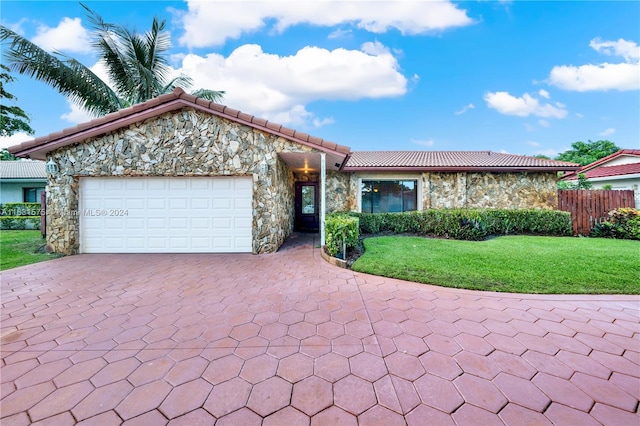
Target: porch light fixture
{"x":51,"y":166}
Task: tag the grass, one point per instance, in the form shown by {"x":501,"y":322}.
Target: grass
{"x":19,"y":248}
{"x":518,"y":264}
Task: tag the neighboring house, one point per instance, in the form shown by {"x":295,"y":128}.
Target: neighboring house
{"x":621,"y":170}
{"x":22,"y":181}
{"x":181,"y":174}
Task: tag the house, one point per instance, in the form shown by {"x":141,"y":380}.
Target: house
{"x":621,"y":170}
{"x":181,"y":174}
{"x":22,"y":181}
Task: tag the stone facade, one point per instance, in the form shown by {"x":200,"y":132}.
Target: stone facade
{"x":182,"y":143}
{"x":458,"y":190}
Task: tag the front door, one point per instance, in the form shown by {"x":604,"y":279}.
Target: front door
{"x":307,"y":216}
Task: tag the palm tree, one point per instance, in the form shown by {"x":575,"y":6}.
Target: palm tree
{"x":137,"y":66}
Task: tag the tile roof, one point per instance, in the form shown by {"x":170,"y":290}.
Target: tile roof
{"x":450,"y":161}
{"x":23,"y":170}
{"x":178,"y":99}
{"x":601,"y":162}
{"x":607,"y":171}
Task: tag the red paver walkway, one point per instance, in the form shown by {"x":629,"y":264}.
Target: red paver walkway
{"x":287,"y":339}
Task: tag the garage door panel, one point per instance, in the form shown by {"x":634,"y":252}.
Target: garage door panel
{"x":179,"y":214}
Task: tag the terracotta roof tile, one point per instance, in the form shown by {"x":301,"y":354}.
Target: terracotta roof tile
{"x":441,"y":160}
{"x":600,"y":162}
{"x":23,"y":170}
{"x":608,"y":171}
{"x":39,"y":147}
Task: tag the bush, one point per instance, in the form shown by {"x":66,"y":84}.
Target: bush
{"x":19,"y":222}
{"x":622,"y":223}
{"x":340,"y":229}
{"x":467,"y":224}
{"x":20,"y":209}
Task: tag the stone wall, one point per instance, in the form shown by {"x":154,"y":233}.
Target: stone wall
{"x":464,"y":190}
{"x":182,"y":143}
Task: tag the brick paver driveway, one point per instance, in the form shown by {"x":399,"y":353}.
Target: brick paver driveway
{"x":288,"y":339}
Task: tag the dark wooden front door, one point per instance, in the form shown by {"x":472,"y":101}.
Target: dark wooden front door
{"x":307,"y":211}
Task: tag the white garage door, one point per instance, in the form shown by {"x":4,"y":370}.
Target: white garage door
{"x":165,"y":214}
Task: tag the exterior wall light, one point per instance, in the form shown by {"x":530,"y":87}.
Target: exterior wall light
{"x":51,"y":166}
{"x":264,"y":167}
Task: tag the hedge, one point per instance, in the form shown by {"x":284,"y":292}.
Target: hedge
{"x":467,"y":224}
{"x":20,"y":209}
{"x":622,"y":223}
{"x":19,"y":222}
{"x":341,"y":229}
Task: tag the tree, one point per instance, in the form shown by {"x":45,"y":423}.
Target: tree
{"x":542,"y":156}
{"x":586,"y":153}
{"x":137,"y":66}
{"x":12,"y":118}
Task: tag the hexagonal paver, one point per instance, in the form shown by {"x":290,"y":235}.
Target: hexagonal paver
{"x":425,"y":415}
{"x":244,"y":331}
{"x":228,"y":397}
{"x":102,"y":399}
{"x":411,"y":345}
{"x":354,"y":394}
{"x":331,"y":367}
{"x":295,"y":367}
{"x":286,"y":416}
{"x":223,"y":369}
{"x":471,"y":415}
{"x":150,"y":371}
{"x":243,"y":416}
{"x":404,"y":365}
{"x":480,"y":392}
{"x":270,"y":396}
{"x":259,"y":368}
{"x":368,"y":366}
{"x":522,"y":392}
{"x":312,"y":395}
{"x":443,"y":344}
{"x":438,"y":393}
{"x":379,"y":415}
{"x":187,"y":370}
{"x":186,"y":397}
{"x":143,"y":398}
{"x":60,"y":400}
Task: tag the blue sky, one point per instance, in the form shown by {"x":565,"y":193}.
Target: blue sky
{"x":523,"y":77}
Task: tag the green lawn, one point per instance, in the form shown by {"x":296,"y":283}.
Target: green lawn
{"x":18,"y":248}
{"x":519,"y":264}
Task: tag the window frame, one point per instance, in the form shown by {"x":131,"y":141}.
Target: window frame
{"x":391,"y":178}
{"x":38,"y":193}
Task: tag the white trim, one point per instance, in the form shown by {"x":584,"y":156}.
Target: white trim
{"x":390,"y":177}
{"x":614,"y":177}
{"x":323,"y":194}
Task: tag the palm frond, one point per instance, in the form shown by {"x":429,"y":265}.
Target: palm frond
{"x":66,"y":75}
{"x":210,"y":95}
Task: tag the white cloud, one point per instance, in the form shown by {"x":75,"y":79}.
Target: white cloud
{"x":69,"y":35}
{"x":464,"y":109}
{"x":629,"y":50}
{"x":523,"y":106}
{"x":544,"y":94}
{"x":605,"y":76}
{"x":533,"y":144}
{"x":209,"y":23}
{"x":278,"y":87}
{"x":544,"y":123}
{"x":427,"y":142}
{"x":608,"y":132}
{"x":339,"y":33}
{"x":15,"y":139}
{"x":76,"y":114}
{"x":579,"y":115}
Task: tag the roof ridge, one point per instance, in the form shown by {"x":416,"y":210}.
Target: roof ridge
{"x":147,"y":109}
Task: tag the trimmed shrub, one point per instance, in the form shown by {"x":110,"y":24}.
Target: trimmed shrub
{"x":20,"y":209}
{"x":467,"y":224}
{"x":341,"y":229}
{"x":622,"y":223}
{"x":19,"y":222}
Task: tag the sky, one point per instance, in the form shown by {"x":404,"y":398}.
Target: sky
{"x":523,"y":77}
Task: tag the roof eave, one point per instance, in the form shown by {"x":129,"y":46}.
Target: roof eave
{"x":33,"y":149}
{"x":456,"y":169}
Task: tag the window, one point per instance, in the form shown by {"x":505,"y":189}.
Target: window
{"x":31,"y":195}
{"x":386,"y":196}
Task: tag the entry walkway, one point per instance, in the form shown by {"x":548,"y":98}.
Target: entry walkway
{"x":287,"y":339}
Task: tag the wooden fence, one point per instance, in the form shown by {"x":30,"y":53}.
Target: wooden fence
{"x":589,"y":207}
